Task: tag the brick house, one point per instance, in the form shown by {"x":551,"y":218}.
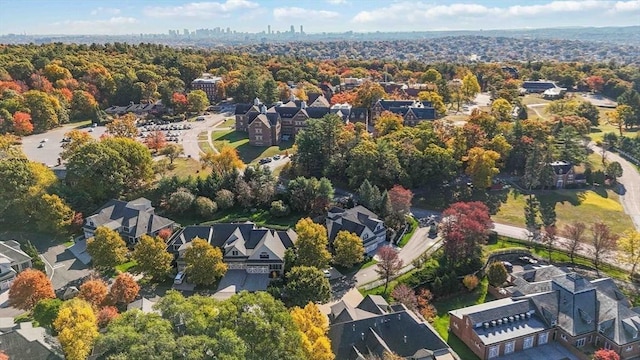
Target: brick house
{"x":564,"y":174}
{"x":550,"y":304}
{"x":265,"y":128}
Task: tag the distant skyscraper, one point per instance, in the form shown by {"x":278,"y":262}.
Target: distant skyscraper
{"x":293,"y":30}
{"x":301,"y":31}
{"x":269,"y":29}
{"x":228,"y":30}
{"x":186,"y":31}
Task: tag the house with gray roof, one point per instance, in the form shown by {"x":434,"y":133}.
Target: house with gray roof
{"x":360,"y":221}
{"x":12,"y":261}
{"x":374,"y":327}
{"x":245,"y":246}
{"x":130,"y":219}
{"x":550,"y":304}
{"x":413,"y":112}
{"x":26,"y":342}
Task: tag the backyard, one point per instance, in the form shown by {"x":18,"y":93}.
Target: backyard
{"x":248,"y":153}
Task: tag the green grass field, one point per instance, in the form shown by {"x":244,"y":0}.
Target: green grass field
{"x":248,"y":153}
{"x":184,"y":167}
{"x":570,"y":205}
{"x":260,"y":217}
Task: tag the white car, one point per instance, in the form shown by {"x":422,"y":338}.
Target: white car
{"x":179,"y":278}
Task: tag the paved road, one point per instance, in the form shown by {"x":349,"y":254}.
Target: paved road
{"x":50,"y":151}
{"x":629,"y":185}
{"x":190,"y":137}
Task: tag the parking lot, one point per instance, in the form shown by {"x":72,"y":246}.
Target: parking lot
{"x":46,"y":148}
{"x":173,"y":132}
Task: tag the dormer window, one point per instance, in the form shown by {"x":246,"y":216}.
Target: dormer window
{"x":234,"y":253}
{"x":125,"y":229}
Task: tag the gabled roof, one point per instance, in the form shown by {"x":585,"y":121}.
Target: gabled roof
{"x":561,"y":167}
{"x":138,"y":215}
{"x":354,"y":220}
{"x":11,"y":250}
{"x":319,"y":102}
{"x":28,"y":343}
{"x":242,"y":109}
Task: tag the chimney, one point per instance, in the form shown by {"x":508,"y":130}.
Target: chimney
{"x":263,"y":109}
{"x":303,"y":104}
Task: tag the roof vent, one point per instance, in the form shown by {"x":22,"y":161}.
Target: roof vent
{"x":354,"y":327}
{"x":493,"y":323}
{"x":399,"y":316}
{"x":405,"y":339}
{"x":510,"y":319}
{"x":362,"y":336}
{"x":486,"y":325}
{"x":517,"y":317}
{"x":499,"y":321}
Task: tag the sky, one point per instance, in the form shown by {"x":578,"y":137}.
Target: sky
{"x":116,"y":17}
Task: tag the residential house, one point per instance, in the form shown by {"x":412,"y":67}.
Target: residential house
{"x":374,"y":327}
{"x":131,"y":219}
{"x":349,"y":114}
{"x":26,"y":342}
{"x":143,"y":304}
{"x":207,"y":83}
{"x":549,"y":304}
{"x":412,"y":112}
{"x":12,"y":261}
{"x":538,"y":86}
{"x":360,"y":221}
{"x":244,"y":246}
{"x":155,"y":108}
{"x":564,"y":175}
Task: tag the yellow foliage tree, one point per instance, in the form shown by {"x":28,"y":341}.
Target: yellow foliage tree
{"x":481,"y":166}
{"x":124,"y":126}
{"x":387,"y":123}
{"x":629,"y":246}
{"x":226,"y":161}
{"x":77,"y":328}
{"x":313,"y":326}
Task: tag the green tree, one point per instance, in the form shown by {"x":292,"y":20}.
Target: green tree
{"x":198,"y":101}
{"x":614,"y":170}
{"x":84,"y":107}
{"x":46,"y":110}
{"x":205,"y":207}
{"x":431,"y":76}
{"x":54,"y":214}
{"x":348,"y":249}
{"x":123,"y":126}
{"x":106,"y":247}
{"x":569,"y":146}
{"x":312,"y":244}
{"x":435,"y":99}
{"x":368,"y":94}
{"x":306,"y":284}
{"x":46,"y":311}
{"x":180,"y":201}
{"x":172,"y":151}
{"x":470,"y":86}
{"x":501,"y":109}
{"x":369,"y":195}
{"x":151,"y":257}
{"x":318,"y":145}
{"x":204,"y":264}
{"x":497,"y":273}
{"x":77,"y":328}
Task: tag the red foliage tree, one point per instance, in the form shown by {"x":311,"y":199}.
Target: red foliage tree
{"x":465,"y":226}
{"x":606,"y":354}
{"x":343,"y":97}
{"x":29,"y":287}
{"x":180,"y":102}
{"x":39,"y":82}
{"x":65,"y":93}
{"x":105,"y":315}
{"x":165,"y":234}
{"x":405,"y":295}
{"x":94,"y":291}
{"x":156,"y":140}
{"x":389,"y":264}
{"x":22,"y":123}
{"x":595,"y":83}
{"x":124,"y":289}
{"x":400,"y":199}
{"x":11,"y":85}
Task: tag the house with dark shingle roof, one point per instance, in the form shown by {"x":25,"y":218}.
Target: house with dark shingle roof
{"x":26,"y":342}
{"x":550,"y":304}
{"x":244,"y":246}
{"x":564,"y":174}
{"x":374,"y":327}
{"x":130,"y":219}
{"x":360,"y":221}
{"x":412,"y":111}
{"x":12,"y":261}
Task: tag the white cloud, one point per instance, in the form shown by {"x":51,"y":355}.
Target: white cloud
{"x":300,"y":13}
{"x":420,"y":11}
{"x":200,"y":9}
{"x":337,"y":2}
{"x":112,"y":25}
{"x":105,"y":11}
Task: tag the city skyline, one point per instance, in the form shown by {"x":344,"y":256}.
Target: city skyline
{"x":118,"y":17}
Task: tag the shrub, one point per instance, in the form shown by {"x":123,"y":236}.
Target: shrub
{"x":497,"y":273}
{"x":224,"y":199}
{"x":180,"y":201}
{"x":470,"y":282}
{"x":279,"y":209}
{"x":165,"y":234}
{"x":205,"y":207}
{"x":31,"y":250}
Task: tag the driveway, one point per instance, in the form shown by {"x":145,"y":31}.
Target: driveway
{"x":62,"y":266}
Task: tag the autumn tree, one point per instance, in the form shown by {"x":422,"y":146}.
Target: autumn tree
{"x":406,"y":296}
{"x":123,"y":126}
{"x":387,"y":123}
{"x":606,"y":354}
{"x":84,"y":107}
{"x":155,"y":140}
{"x":77,"y":328}
{"x":179,"y":102}
{"x":197,"y":101}
{"x":389,"y":264}
{"x":314,"y":328}
{"x":29,"y":287}
{"x":312,"y":244}
{"x":152,"y":258}
{"x":368,"y":94}
{"x":470,"y":86}
{"x":203,"y":262}
{"x":22,"y":123}
{"x":549,"y":238}
{"x":349,"y":249}
{"x":622,"y":116}
{"x":603,"y":242}
{"x":629,"y":248}
{"x":76,"y":139}
{"x":497,"y":273}
{"x":222,"y":163}
{"x":595,"y":83}
{"x":93,"y":291}
{"x":124,"y":289}
{"x":106,"y":247}
{"x":481,"y":166}
{"x":501,"y":109}
{"x":575,"y":234}
{"x":55,"y":215}
{"x":470,"y":282}
{"x":435,"y":99}
{"x":306,"y":284}
{"x":106,"y":315}
{"x":400,"y":200}
{"x":172,"y":151}
{"x":310,"y":195}
{"x":464,"y":227}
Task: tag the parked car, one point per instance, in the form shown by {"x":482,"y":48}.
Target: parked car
{"x":265,"y":161}
{"x":277,"y":157}
{"x":179,"y":278}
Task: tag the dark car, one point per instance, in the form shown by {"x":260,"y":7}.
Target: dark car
{"x":265,"y":161}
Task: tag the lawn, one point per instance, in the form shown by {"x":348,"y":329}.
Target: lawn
{"x":260,"y":217}
{"x":203,"y":142}
{"x":413,"y":223}
{"x":126,"y":266}
{"x":230,"y":122}
{"x":184,"y":167}
{"x":248,"y":153}
{"x":597,"y":133}
{"x":532,"y":99}
{"x":570,"y":206}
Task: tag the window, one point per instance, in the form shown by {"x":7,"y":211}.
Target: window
{"x":563,"y":337}
{"x":259,"y":137}
{"x":509,"y":347}
{"x":494,"y":351}
{"x":258,"y":130}
{"x":580,"y":342}
{"x":607,"y":345}
{"x":125,"y":229}
{"x":543,"y":338}
{"x":628,"y":348}
{"x":528,"y":343}
{"x":234,"y":253}
{"x":264,"y":255}
{"x":275,"y":266}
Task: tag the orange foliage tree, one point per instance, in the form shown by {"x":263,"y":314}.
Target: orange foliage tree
{"x":156,"y":141}
{"x":22,"y":123}
{"x":29,"y":287}
{"x":124,"y":289}
{"x":94,"y":291}
{"x":105,"y":315}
